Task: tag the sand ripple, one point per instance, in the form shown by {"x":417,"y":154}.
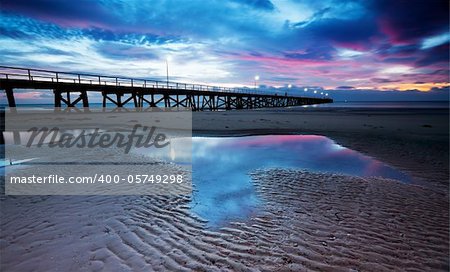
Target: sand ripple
{"x":317,"y":222}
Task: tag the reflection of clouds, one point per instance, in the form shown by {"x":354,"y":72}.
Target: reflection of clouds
{"x":202,"y":146}
{"x":179,"y":150}
{"x":220,"y":166}
{"x":336,"y":147}
{"x":273,"y":140}
{"x":225,"y":192}
{"x":373,"y":168}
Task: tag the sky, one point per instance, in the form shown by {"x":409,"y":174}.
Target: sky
{"x":346,"y":47}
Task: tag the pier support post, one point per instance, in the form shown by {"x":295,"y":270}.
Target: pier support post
{"x":227,"y":103}
{"x":58,"y":98}
{"x":166,"y":101}
{"x":104,"y":99}
{"x":239,"y":104}
{"x":135,"y":100}
{"x":119,"y":100}
{"x":10,"y":96}
{"x":140,"y":100}
{"x":84,"y":97}
{"x":153,"y":104}
{"x":211,"y":103}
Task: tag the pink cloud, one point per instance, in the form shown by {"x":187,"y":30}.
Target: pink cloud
{"x":394,"y":35}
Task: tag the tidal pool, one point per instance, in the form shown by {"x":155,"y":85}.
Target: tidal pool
{"x":223,"y":190}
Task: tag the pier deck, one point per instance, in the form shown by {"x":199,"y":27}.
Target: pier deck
{"x":72,"y":89}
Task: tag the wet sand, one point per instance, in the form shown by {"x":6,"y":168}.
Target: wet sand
{"x":413,"y":140}
{"x":310,"y":221}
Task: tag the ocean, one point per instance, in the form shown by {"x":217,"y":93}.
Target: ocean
{"x":387,"y":104}
{"x":337,"y":104}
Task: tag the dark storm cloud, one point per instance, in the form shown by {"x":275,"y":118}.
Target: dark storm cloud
{"x":81,"y":12}
{"x":259,"y":4}
{"x":383,"y":80}
{"x":410,"y":20}
{"x":344,"y":30}
{"x":438,"y":54}
{"x":345,"y":88}
{"x":314,"y":53}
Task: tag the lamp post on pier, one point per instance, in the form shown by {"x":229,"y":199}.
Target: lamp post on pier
{"x":256,"y":79}
{"x":168,"y":58}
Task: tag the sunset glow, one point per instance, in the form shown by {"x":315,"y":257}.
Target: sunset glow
{"x":356,"y":44}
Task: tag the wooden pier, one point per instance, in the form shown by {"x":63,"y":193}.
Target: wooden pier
{"x":72,"y":89}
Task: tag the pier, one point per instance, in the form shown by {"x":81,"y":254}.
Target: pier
{"x":72,"y":89}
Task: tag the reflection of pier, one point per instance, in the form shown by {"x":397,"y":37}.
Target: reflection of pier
{"x":71,"y":90}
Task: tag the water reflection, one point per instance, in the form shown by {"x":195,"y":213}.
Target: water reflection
{"x":224,"y":190}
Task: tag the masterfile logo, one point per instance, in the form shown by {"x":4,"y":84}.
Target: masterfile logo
{"x":107,"y":152}
{"x":140,"y":137}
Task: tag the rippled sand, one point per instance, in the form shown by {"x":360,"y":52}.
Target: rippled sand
{"x":309,"y":221}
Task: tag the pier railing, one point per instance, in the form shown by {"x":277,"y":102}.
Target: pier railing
{"x":39,"y":75}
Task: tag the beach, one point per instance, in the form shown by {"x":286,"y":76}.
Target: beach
{"x":413,"y":140}
{"x":309,"y":221}
{"x":257,"y":135}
